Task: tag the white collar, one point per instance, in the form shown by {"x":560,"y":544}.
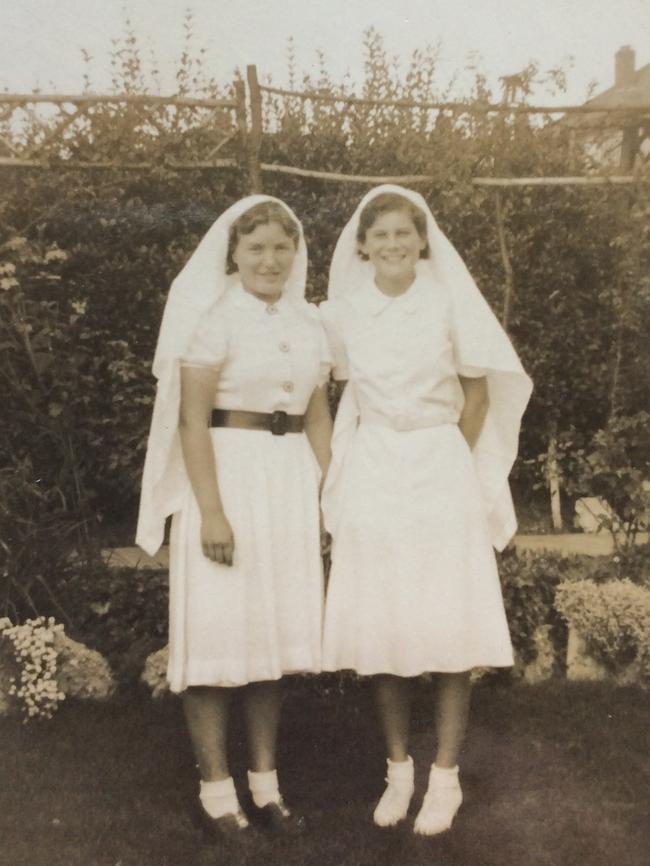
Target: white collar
{"x":245,"y":300}
{"x":370,"y":300}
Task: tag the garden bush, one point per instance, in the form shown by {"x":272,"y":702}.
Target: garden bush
{"x":613,"y":618}
{"x":630,"y":562}
{"x":121,"y":612}
{"x":529,"y":581}
{"x":40,"y":666}
{"x":86,"y":260}
{"x":616,"y":467}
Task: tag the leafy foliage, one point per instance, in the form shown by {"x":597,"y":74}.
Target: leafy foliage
{"x":86,"y":260}
{"x":528,"y":583}
{"x":616,"y":467}
{"x":613,"y":618}
{"x":121,"y":612}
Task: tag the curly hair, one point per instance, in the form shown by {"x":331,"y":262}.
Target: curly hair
{"x":387,"y":202}
{"x":259,"y":215}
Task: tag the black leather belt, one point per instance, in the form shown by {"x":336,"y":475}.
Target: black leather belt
{"x":277,"y":422}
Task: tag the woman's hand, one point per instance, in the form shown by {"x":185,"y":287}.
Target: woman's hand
{"x":477,"y":403}
{"x":217,"y":540}
{"x":198,"y":386}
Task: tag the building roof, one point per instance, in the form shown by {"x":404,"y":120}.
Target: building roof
{"x":632,"y":94}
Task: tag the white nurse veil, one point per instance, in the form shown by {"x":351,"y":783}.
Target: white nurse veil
{"x":480,"y":344}
{"x":201,"y":282}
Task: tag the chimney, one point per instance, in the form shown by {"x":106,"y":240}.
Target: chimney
{"x":624,"y":67}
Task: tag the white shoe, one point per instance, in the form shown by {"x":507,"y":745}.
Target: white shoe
{"x":394,"y":802}
{"x":441,"y":802}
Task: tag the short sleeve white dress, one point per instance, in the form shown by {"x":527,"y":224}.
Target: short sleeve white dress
{"x":262,"y":617}
{"x":414,"y":586}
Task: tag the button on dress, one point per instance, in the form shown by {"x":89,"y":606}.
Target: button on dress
{"x":414,"y":585}
{"x":261,"y":617}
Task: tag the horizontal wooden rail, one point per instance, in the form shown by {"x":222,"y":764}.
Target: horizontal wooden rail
{"x":97,"y":99}
{"x":350,"y":178}
{"x":558,"y":181}
{"x":72,"y":165}
{"x":477,"y":181}
{"x":465,"y":107}
{"x":338,"y":177}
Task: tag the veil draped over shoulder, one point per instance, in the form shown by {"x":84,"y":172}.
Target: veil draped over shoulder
{"x":481,"y":344}
{"x":201,"y":283}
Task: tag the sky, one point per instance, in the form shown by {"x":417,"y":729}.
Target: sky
{"x":43,"y":39}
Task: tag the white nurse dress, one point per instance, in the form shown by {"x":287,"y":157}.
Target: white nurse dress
{"x":262,"y":617}
{"x":414,"y":585}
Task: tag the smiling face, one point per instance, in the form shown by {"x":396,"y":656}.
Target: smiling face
{"x":264,"y":258}
{"x":393,"y":245}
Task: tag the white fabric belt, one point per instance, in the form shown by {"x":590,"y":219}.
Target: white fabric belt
{"x":403,"y":423}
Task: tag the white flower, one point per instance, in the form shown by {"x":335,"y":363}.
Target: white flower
{"x":79,"y":307}
{"x":7,"y":283}
{"x":55,"y":255}
{"x":155,"y":672}
{"x":51,"y":666}
{"x":15,"y":243}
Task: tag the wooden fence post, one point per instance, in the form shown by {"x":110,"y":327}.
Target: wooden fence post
{"x":505,"y":259}
{"x":553,"y":476}
{"x":240,"y":116}
{"x":255,"y":138}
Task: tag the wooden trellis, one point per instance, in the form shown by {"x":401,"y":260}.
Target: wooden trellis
{"x":623,"y":117}
{"x":36,"y":130}
{"x":223,"y":134}
{"x":232,"y":122}
{"x":224,"y":122}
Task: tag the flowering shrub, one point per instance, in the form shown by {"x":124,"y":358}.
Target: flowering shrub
{"x":154,"y":674}
{"x":614,"y":620}
{"x":40,"y":666}
{"x":83,"y":672}
{"x":33,"y":679}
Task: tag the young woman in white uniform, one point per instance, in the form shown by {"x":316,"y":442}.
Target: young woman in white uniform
{"x":417,"y":494}
{"x":239,"y":438}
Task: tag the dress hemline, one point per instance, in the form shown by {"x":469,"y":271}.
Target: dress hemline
{"x":416,"y":672}
{"x":221,"y":676}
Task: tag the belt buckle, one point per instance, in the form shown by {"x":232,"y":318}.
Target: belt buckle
{"x":279,"y":422}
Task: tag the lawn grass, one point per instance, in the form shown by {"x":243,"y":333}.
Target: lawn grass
{"x":553,"y":775}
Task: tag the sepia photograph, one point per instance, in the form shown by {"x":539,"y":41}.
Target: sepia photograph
{"x":325,"y":440}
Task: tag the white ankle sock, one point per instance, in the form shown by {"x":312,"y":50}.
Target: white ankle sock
{"x":264,"y":787}
{"x":219,"y":798}
{"x":394,"y":803}
{"x":441,"y":802}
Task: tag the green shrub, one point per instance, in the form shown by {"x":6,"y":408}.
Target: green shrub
{"x":631,"y":561}
{"x":86,"y":260}
{"x":616,"y":467}
{"x":121,"y":612}
{"x":37,"y":538}
{"x":529,"y":581}
{"x":614,"y":620}
{"x":40,"y":666}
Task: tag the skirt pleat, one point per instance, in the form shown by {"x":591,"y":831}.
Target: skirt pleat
{"x":414,"y":586}
{"x":262,"y":617}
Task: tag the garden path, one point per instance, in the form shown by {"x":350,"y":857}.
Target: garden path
{"x":576,"y":543}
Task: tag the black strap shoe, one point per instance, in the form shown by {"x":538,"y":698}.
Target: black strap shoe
{"x":231,"y":828}
{"x":276,"y":818}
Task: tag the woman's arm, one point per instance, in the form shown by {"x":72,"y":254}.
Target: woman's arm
{"x":477,"y":402}
{"x":198,"y":386}
{"x":318,"y":427}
